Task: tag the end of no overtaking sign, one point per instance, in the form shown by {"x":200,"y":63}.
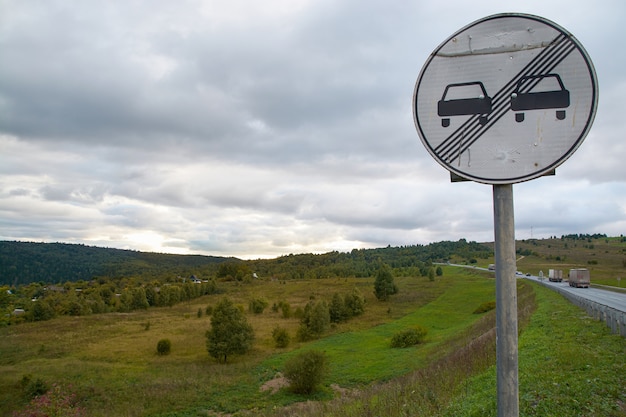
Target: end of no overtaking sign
{"x":505,"y":99}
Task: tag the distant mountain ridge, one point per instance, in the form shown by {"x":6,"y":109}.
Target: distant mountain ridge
{"x":26,"y":262}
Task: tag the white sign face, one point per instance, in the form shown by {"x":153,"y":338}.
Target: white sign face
{"x":506,"y":99}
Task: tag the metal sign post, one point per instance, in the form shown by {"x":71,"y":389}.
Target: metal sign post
{"x":503,"y":100}
{"x":506,"y":302}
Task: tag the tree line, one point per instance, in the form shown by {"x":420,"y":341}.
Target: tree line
{"x":144,"y":280}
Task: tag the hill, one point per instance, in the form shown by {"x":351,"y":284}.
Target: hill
{"x":22,"y":263}
{"x":26,"y":262}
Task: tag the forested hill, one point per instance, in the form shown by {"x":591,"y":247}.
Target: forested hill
{"x":26,"y":262}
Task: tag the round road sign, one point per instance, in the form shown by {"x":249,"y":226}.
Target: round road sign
{"x":505,"y":99}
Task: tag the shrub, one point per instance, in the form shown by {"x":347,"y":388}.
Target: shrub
{"x":208,"y":310}
{"x":285,"y":307}
{"x":33,"y":387}
{"x":299,"y":313}
{"x":409,"y":337}
{"x":306,"y":371}
{"x":484,"y":307}
{"x":257,"y":306}
{"x":281,"y":337}
{"x":164,"y":347}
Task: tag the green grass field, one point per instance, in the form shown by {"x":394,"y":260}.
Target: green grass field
{"x":110,"y":360}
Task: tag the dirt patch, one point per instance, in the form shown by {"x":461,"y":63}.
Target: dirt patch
{"x":274,"y":385}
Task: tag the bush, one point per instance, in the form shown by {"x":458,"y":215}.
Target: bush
{"x":281,"y":337}
{"x":164,"y":346}
{"x":484,"y":307}
{"x":257,"y":306}
{"x":306,"y":371}
{"x":33,"y":387}
{"x":409,"y":337}
{"x":285,"y":307}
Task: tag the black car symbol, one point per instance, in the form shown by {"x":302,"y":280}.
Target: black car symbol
{"x":535,"y":92}
{"x":464,"y":99}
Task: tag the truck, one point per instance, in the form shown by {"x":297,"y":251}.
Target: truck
{"x":555,"y":275}
{"x":579,"y":278}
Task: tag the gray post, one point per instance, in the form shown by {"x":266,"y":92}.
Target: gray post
{"x":506,"y":302}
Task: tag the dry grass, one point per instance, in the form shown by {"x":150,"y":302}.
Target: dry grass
{"x":112,"y":363}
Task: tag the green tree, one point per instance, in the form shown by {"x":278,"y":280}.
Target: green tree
{"x":439,"y":271}
{"x":315,"y":320}
{"x":41,"y":311}
{"x":337,"y":309}
{"x":230,"y":332}
{"x":384,"y":286}
{"x":140,"y":301}
{"x":6,"y":297}
{"x":355,"y":303}
{"x":431,"y":274}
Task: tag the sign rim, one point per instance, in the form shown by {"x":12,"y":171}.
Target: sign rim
{"x":548,"y":169}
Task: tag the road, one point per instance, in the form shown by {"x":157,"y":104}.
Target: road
{"x":616,"y":300}
{"x":611,"y":299}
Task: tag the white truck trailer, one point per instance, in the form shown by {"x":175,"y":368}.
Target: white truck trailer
{"x":555,"y":275}
{"x":579,"y":278}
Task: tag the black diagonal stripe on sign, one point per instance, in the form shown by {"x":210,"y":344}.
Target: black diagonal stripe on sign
{"x":472,"y":127}
{"x":470,"y":131}
{"x":472,"y":123}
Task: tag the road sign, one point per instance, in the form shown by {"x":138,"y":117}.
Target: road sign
{"x":505,"y":99}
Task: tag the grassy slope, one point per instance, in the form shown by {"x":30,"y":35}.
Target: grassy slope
{"x":112,"y":364}
{"x":605,"y":258}
{"x":569,"y":365}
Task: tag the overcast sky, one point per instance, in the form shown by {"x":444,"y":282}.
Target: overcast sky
{"x":259,"y":129}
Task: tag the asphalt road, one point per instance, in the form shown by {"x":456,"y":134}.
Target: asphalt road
{"x":616,"y":300}
{"x":611,"y":299}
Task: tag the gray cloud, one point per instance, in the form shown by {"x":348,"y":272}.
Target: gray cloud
{"x":263,"y":129}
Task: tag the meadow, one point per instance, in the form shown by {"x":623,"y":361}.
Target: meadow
{"x":569,"y":364}
{"x":110,"y":362}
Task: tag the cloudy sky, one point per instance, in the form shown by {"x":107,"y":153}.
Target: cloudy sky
{"x":258,"y":129}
